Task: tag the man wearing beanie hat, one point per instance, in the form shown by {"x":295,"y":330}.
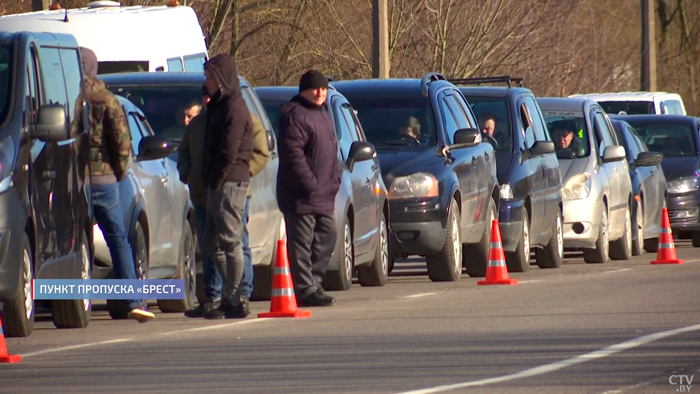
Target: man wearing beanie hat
{"x":307,"y":183}
{"x":110,"y":154}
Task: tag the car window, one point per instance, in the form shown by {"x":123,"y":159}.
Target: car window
{"x":630,"y":145}
{"x":493,"y":110}
{"x":175,"y":65}
{"x":568,"y":131}
{"x":628,"y":107}
{"x":603,"y":132}
{"x":641,"y":146}
{"x":450,"y":124}
{"x":255,"y":102}
{"x":33,"y":81}
{"x":194,"y":63}
{"x":71,"y":71}
{"x":464,"y":106}
{"x":136,"y":133}
{"x":536,"y":115}
{"x":526,"y":124}
{"x":52,"y":75}
{"x":342,"y":130}
{"x":671,"y":139}
{"x":673,"y":107}
{"x":355,"y":133}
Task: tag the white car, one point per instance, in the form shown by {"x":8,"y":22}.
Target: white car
{"x":638,"y":103}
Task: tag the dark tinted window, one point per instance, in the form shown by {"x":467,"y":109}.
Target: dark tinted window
{"x":495,"y":109}
{"x":629,"y":107}
{"x":630,"y":144}
{"x":671,"y":139}
{"x":272,"y":109}
{"x":136,"y":133}
{"x":5,"y":78}
{"x":71,"y":70}
{"x":163,"y":106}
{"x":121,"y":67}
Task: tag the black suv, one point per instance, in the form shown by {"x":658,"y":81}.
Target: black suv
{"x":441,"y":179}
{"x":530,"y":214}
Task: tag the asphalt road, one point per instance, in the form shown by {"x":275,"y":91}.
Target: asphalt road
{"x":622,"y":327}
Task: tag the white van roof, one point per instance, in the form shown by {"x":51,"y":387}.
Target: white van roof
{"x":118,"y":33}
{"x":629,"y":96}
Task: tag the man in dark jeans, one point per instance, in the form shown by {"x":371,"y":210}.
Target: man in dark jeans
{"x":307,"y":183}
{"x":110,"y":154}
{"x":228,"y":148}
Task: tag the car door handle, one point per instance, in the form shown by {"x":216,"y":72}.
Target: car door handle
{"x":50,"y":174}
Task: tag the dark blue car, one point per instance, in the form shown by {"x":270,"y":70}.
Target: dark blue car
{"x":530,"y":214}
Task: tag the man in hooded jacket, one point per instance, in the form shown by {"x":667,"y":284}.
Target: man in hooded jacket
{"x":228,"y":149}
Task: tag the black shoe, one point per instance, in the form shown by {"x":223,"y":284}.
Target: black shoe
{"x":245,"y":303}
{"x":204,"y":307}
{"x":317,"y":298}
{"x":228,"y":311}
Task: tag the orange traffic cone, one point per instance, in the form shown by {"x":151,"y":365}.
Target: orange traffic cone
{"x":4,"y":356}
{"x":284,"y":302}
{"x":666,"y":253}
{"x":496,"y":272}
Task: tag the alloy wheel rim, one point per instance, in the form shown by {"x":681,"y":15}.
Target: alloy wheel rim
{"x":28,"y":302}
{"x":560,"y":237}
{"x":640,"y":224}
{"x":526,"y":242}
{"x":606,"y":244}
{"x":456,"y":241}
{"x":189,"y":268}
{"x":384,"y":240}
{"x":348,"y":251}
{"x":628,"y":230}
{"x":85,"y":272}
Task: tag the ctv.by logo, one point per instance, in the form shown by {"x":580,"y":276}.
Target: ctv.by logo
{"x":682,"y":381}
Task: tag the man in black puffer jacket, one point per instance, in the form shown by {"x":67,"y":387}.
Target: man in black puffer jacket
{"x":307,"y":182}
{"x":228,"y":149}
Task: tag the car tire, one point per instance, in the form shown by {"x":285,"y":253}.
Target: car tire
{"x":552,"y":255}
{"x":621,"y":249}
{"x":341,"y":279}
{"x":599,"y":255}
{"x":696,"y":239}
{"x":377,"y":273}
{"x":638,"y":241}
{"x":75,"y":313}
{"x":186,"y":271}
{"x":117,"y":308}
{"x":476,"y":257}
{"x":651,"y":245}
{"x":446,"y":265}
{"x":18,"y":314}
{"x":519,"y":260}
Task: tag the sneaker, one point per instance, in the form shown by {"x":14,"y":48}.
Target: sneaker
{"x":228,"y":311}
{"x":317,"y":298}
{"x":206,"y":306}
{"x":141,"y":315}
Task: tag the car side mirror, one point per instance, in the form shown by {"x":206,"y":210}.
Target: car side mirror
{"x":649,"y":159}
{"x":465,"y":138}
{"x":154,"y":147}
{"x":542,"y":148}
{"x":360,"y":151}
{"x":271,"y":141}
{"x":614,"y":153}
{"x":50,"y":123}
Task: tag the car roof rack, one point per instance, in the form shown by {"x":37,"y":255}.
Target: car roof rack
{"x":477,"y":81}
{"x":427,"y":79}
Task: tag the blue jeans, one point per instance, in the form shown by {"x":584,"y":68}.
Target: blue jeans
{"x":212,"y":278}
{"x":110,"y":218}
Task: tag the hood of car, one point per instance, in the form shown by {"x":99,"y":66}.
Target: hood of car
{"x":676,"y":167}
{"x":572,"y":167}
{"x":400,"y":162}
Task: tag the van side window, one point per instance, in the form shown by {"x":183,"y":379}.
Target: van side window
{"x":175,"y":65}
{"x":71,"y":71}
{"x":33,"y":86}
{"x":52,"y":75}
{"x":194,"y":63}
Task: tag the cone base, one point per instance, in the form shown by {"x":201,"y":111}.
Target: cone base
{"x":670,"y":261}
{"x":498,"y":282}
{"x":296,"y":314}
{"x":10,"y":359}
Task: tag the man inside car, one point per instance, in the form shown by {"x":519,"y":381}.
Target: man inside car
{"x":409,"y":131}
{"x":566,"y":142}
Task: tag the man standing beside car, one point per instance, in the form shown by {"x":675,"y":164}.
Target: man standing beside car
{"x":307,"y":183}
{"x":110,"y":154}
{"x":228,"y":149}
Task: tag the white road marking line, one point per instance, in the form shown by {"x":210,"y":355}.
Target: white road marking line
{"x":419,"y":295}
{"x":622,"y":390}
{"x":544,"y":369}
{"x":691,"y":261}
{"x":72,"y":347}
{"x":620,"y":270}
{"x":216,"y":327}
{"x":530,"y":281}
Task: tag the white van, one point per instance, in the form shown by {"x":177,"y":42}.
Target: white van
{"x":638,"y":103}
{"x":165,"y":38}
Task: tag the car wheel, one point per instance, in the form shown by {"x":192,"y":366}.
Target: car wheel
{"x":599,"y":255}
{"x":341,"y":279}
{"x":75,"y":313}
{"x":476,"y":257}
{"x":552,"y":255}
{"x":696,"y":239}
{"x":519,"y":260}
{"x":117,"y":308}
{"x":446,"y":265}
{"x":18,"y":317}
{"x":621,"y":249}
{"x":377,"y":273}
{"x":638,"y":242}
{"x":186,"y":271}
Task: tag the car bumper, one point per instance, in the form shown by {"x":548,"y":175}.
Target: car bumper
{"x":581,"y":223}
{"x":12,"y":222}
{"x":418,"y":226}
{"x":684,"y":211}
{"x":510,"y":223}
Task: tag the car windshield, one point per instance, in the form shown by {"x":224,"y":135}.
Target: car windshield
{"x":671,"y":139}
{"x":5,"y":79}
{"x":568,"y":131}
{"x":121,"y":67}
{"x":396,"y":121}
{"x":168,"y":109}
{"x":628,"y":107}
{"x":494,"y":119}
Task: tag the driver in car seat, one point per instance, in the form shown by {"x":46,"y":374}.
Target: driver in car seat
{"x":566,"y":142}
{"x":410,"y":130}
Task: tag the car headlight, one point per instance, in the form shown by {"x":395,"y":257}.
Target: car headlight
{"x":413,"y":186}
{"x":7,"y":161}
{"x":683,"y":185}
{"x":577,"y":187}
{"x":506,"y":191}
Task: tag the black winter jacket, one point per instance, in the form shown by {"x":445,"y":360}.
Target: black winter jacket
{"x":309,"y":171}
{"x":228,"y":143}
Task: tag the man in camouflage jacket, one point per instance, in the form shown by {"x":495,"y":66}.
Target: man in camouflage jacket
{"x":110,"y":156}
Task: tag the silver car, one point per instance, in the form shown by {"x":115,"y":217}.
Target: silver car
{"x":597,"y":191}
{"x":158,"y":215}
